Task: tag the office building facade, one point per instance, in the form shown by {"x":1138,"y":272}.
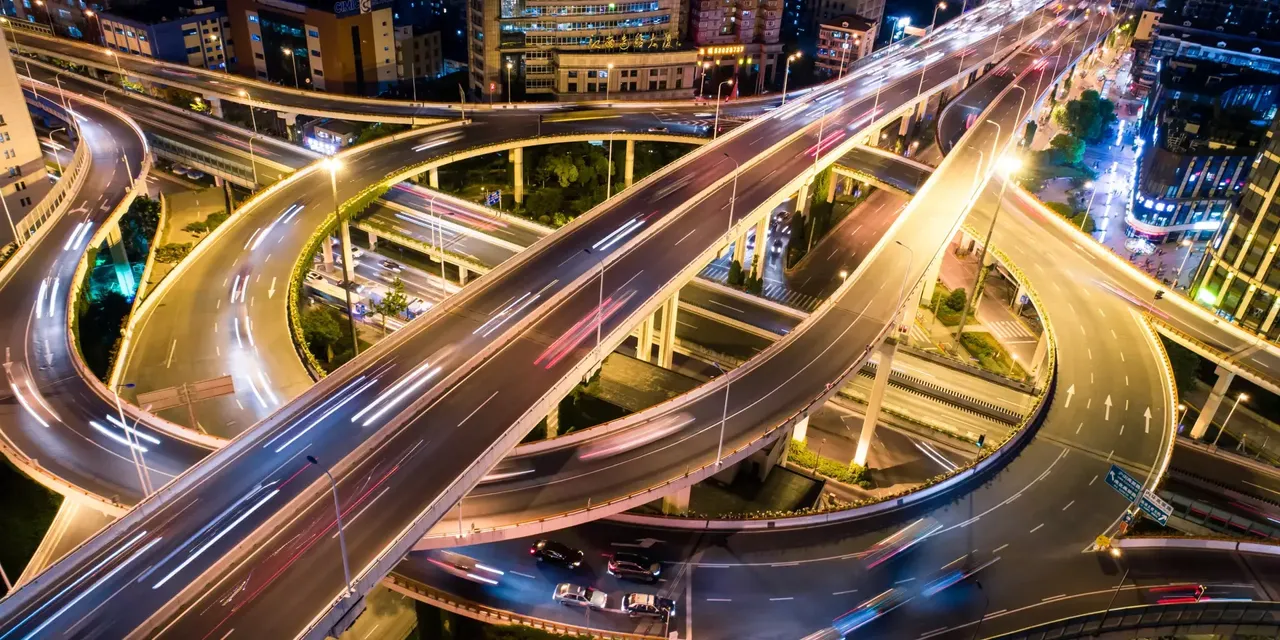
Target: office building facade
{"x":23,"y":180}
{"x":418,"y":55}
{"x":532,"y":48}
{"x":347,"y":46}
{"x":195,"y":34}
{"x":1240,"y":278}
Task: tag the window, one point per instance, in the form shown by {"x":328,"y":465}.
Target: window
{"x":592,"y":73}
{"x":573,"y":74}
{"x":256,"y":38}
{"x":13,"y":171}
{"x":313,"y":33}
{"x":259,"y":56}
{"x":591,"y":87}
{"x":193,"y":49}
{"x":20,"y":186}
{"x":318,"y":73}
{"x":315,"y":53}
{"x":26,"y":202}
{"x":653,"y":72}
{"x":253,"y":17}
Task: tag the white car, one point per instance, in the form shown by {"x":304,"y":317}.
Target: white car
{"x":314,"y":276}
{"x":578,"y":596}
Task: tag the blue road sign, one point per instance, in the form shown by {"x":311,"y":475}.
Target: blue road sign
{"x":1155,"y":507}
{"x":493,"y":198}
{"x":1124,"y":484}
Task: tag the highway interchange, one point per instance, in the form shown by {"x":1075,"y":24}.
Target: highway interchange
{"x":471,"y":312}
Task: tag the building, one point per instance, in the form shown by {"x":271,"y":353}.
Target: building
{"x":578,"y":52}
{"x":1240,"y":278}
{"x":828,"y":11}
{"x":69,"y":18}
{"x":418,"y":55}
{"x":1244,"y":33}
{"x":342,"y":46}
{"x":842,"y":42}
{"x":192,"y":33}
{"x":23,"y":181}
{"x":329,"y":136}
{"x":1205,"y":121}
{"x":739,"y":40}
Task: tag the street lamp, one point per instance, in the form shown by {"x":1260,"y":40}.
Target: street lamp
{"x":55,"y":148}
{"x":119,"y":69}
{"x":1088,"y":209}
{"x":253,"y":161}
{"x":608,"y":183}
{"x":12,"y":34}
{"x":1242,"y":396}
{"x":342,"y":536}
{"x":843,"y":57}
{"x":344,"y":235}
{"x":48,"y":14}
{"x":135,"y":450}
{"x":925,"y":68}
{"x":252,"y":117}
{"x":724,"y":415}
{"x":1007,"y":166}
{"x":1186,"y":242}
{"x":289,"y":52}
{"x":706,"y":68}
{"x":509,"y":66}
{"x":787,"y":75}
{"x":608,"y":78}
{"x":715,"y":130}
{"x":90,"y":13}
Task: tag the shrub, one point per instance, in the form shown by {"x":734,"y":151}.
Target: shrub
{"x":173,"y":252}
{"x":956,"y":300}
{"x":800,"y":455}
{"x":735,"y":274}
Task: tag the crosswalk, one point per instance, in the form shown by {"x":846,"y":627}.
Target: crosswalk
{"x":717,"y":272}
{"x":1010,"y":330}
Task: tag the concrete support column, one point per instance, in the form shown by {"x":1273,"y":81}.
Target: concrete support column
{"x":217,"y":181}
{"x":802,"y":197}
{"x":1211,"y":404}
{"x":930,"y":281}
{"x":801,"y":430}
{"x":629,"y":168}
{"x":884,"y":367}
{"x":124,"y":274}
{"x":666,"y":346}
{"x":326,"y":251}
{"x":348,"y":266}
{"x":740,"y":250}
{"x":677,"y":502}
{"x":215,"y":106}
{"x":831,"y":188}
{"x":904,"y":124}
{"x":517,"y":173}
{"x":553,"y":421}
{"x":1038,"y":359}
{"x":644,"y":345}
{"x":762,"y":243}
{"x":1271,"y":317}
{"x":434,"y":178}
{"x":462,"y":275}
{"x":290,"y":124}
{"x":373,"y":240}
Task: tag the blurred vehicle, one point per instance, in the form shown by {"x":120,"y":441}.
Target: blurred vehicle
{"x":314,"y":276}
{"x":391,"y":265}
{"x":658,"y":129}
{"x":957,"y":571}
{"x":354,"y":287}
{"x":178,"y":169}
{"x":506,"y":469}
{"x":417,"y":306}
{"x":556,"y":553}
{"x":635,"y":566}
{"x":900,"y":541}
{"x":464,"y":567}
{"x":356,"y":252}
{"x":579,"y":596}
{"x":1179,"y":593}
{"x":635,"y":436}
{"x":647,"y":605}
{"x":195,"y":174}
{"x":870,"y":610}
{"x":777,"y":246}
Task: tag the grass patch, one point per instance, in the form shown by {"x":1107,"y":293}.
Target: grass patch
{"x":991,"y":355}
{"x":800,"y":455}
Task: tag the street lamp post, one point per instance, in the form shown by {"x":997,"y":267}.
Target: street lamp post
{"x":1242,"y":396}
{"x":787,"y":74}
{"x":55,"y":149}
{"x":57,"y":80}
{"x":724,"y":415}
{"x":289,"y":52}
{"x":90,"y":13}
{"x":252,"y":117}
{"x":253,"y":161}
{"x":608,"y":79}
{"x":1008,"y":166}
{"x":344,"y":235}
{"x":1089,"y":209}
{"x":1186,"y":242}
{"x":844,"y":56}
{"x":135,"y":450}
{"x":48,"y":15}
{"x":12,"y":34}
{"x":715,"y":130}
{"x":706,"y":68}
{"x":925,"y":67}
{"x":509,"y":66}
{"x":119,"y":69}
{"x":342,"y":536}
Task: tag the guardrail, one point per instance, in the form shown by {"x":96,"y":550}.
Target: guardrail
{"x":449,"y":602}
{"x":1218,"y":619}
{"x":55,"y":202}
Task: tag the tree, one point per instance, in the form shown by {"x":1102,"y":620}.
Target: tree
{"x":559,"y":166}
{"x":1087,"y":117}
{"x":735,"y":274}
{"x":545,"y":201}
{"x":956,"y":300}
{"x":1030,"y":134}
{"x":393,"y":303}
{"x":321,"y":329}
{"x":1067,"y":149}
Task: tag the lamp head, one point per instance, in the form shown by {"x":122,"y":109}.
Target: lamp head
{"x":1009,"y":165}
{"x":331,"y":164}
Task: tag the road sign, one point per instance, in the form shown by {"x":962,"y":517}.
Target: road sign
{"x":1124,"y":484}
{"x":1155,"y":507}
{"x":493,"y":198}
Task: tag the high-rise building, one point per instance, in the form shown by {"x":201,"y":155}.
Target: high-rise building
{"x":625,"y":50}
{"x":1240,"y":277}
{"x":1244,"y":33}
{"x":342,"y":46}
{"x":843,"y":41}
{"x":739,"y":40}
{"x":193,"y":32}
{"x":23,"y":181}
{"x":418,"y":54}
{"x":825,"y":11}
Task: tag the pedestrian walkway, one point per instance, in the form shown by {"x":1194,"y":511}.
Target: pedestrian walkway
{"x":775,"y":290}
{"x":1010,"y":331}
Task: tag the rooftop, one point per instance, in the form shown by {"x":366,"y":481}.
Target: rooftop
{"x":163,"y":11}
{"x":850,"y":22}
{"x":1221,"y":40}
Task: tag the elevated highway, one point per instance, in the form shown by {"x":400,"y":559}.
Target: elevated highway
{"x":564,"y":315}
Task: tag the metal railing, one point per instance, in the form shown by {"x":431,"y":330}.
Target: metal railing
{"x":1220,"y":619}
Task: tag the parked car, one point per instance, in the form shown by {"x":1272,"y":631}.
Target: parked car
{"x":634,"y":566}
{"x":556,"y":553}
{"x":578,"y":596}
{"x":647,"y":605}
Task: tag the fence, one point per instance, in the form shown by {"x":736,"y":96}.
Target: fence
{"x":1207,"y":619}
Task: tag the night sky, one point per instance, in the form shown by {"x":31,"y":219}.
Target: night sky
{"x":921,"y":11}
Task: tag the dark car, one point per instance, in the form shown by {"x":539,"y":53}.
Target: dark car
{"x":647,"y":605}
{"x":634,"y":566}
{"x":557,"y":553}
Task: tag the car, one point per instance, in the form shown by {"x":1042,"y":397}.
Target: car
{"x":900,"y":541}
{"x":353,"y":287}
{"x":195,"y":174}
{"x":658,"y":129}
{"x":635,"y":566}
{"x":870,"y":610}
{"x":315,"y":276}
{"x":1179,"y":593}
{"x":556,"y":553}
{"x":647,"y":605}
{"x":356,"y":252}
{"x":777,"y":246}
{"x":391,"y":265}
{"x":957,"y":571}
{"x":178,"y":169}
{"x":572,"y":595}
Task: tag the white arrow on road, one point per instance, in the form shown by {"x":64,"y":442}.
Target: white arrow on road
{"x":271,"y":292}
{"x":1071,"y":391}
{"x":1147,"y":414}
{"x":640,"y":543}
{"x":1108,"y":404}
